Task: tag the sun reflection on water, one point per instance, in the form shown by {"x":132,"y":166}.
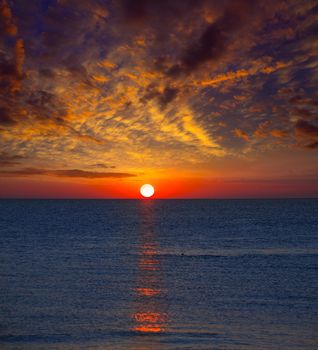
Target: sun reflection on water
{"x":150,"y":316}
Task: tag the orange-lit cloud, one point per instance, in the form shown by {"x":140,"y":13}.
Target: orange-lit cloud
{"x":241,"y":134}
{"x":7,"y":24}
{"x":156,"y":89}
{"x":242,"y":73}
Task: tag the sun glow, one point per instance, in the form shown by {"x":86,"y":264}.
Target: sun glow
{"x":147,"y":190}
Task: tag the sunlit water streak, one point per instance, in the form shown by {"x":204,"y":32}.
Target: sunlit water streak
{"x":158,"y":275}
{"x":150,"y":316}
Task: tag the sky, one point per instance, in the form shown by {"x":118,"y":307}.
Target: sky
{"x":201,"y":98}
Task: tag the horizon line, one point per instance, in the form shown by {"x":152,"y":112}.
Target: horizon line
{"x":155,"y":199}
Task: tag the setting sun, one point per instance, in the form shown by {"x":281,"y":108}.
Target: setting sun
{"x":147,"y":190}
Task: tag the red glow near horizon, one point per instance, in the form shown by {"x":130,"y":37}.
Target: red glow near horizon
{"x":191,"y":188}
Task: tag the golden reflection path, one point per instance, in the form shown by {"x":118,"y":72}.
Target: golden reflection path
{"x":149,"y":316}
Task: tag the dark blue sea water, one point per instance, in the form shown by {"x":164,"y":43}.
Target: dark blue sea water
{"x":158,"y":274}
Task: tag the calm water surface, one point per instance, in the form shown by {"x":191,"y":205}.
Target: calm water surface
{"x":157,"y":274}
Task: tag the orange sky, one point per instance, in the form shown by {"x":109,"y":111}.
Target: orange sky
{"x":201,"y":99}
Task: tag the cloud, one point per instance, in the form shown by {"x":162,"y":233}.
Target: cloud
{"x":303,"y":100}
{"x":73,"y":173}
{"x":304,"y":128}
{"x":7,"y":25}
{"x":303,"y":113}
{"x":5,"y":117}
{"x":9,"y":160}
{"x":306,"y":134}
{"x":10,"y":77}
{"x":240,"y":98}
{"x":312,"y":145}
{"x":46,"y":105}
{"x":279,"y":133}
{"x":241,"y":134}
{"x":262,"y":130}
{"x":168,"y":95}
{"x":135,"y":10}
{"x":215,"y":39}
{"x":242,"y":73}
{"x":19,"y":56}
{"x":139,"y":11}
{"x":12,"y":59}
{"x":89,"y":85}
{"x":164,"y":97}
{"x":194,"y":128}
{"x":103,"y":166}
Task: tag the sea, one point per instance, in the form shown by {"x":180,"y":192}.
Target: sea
{"x":159,"y":274}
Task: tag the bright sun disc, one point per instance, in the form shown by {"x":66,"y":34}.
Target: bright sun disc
{"x":147,"y":190}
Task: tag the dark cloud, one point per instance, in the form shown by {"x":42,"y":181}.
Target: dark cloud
{"x":305,"y":128}
{"x":10,"y":76}
{"x":74,"y":173}
{"x":11,"y":65}
{"x":141,"y":10}
{"x":103,"y":166}
{"x":77,"y":70}
{"x":46,"y":105}
{"x":9,"y":160}
{"x":302,"y":100}
{"x":7,"y":68}
{"x":312,"y":145}
{"x":303,"y":112}
{"x":167,"y":96}
{"x":214,"y":40}
{"x":89,"y":174}
{"x":135,"y":10}
{"x":307,"y":134}
{"x":297,"y":99}
{"x":163,"y":98}
{"x":47,"y":73}
{"x":5,"y":117}
{"x":150,"y":93}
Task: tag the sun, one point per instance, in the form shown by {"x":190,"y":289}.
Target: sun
{"x":147,"y":190}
